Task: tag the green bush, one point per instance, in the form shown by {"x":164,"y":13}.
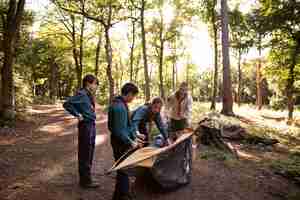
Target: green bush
{"x":278,"y":103}
{"x":23,"y":92}
{"x":290,"y":167}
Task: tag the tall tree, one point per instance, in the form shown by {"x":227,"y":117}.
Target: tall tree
{"x":71,"y":24}
{"x":133,"y":19}
{"x":258,"y":30}
{"x":144,"y":45}
{"x":105,"y":13}
{"x":284,"y":16}
{"x":210,"y":15}
{"x":161,"y":50}
{"x":259,"y":98}
{"x":11,"y":27}
{"x":240,"y":42}
{"x":227,"y":87}
{"x":98,"y":52}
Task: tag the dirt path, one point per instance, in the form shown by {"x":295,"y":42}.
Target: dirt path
{"x":39,"y":161}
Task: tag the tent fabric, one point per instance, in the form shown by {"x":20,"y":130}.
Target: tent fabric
{"x":169,"y":166}
{"x":174,"y":168}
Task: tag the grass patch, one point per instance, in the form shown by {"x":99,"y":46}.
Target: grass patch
{"x":7,"y":123}
{"x":215,"y":155}
{"x":289,"y":167}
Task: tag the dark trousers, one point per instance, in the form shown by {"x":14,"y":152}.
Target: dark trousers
{"x":177,"y":125}
{"x":122,"y":182}
{"x":86,"y":147}
{"x":144,"y":131}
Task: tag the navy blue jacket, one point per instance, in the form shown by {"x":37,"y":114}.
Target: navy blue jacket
{"x":81,"y":104}
{"x":119,"y":121}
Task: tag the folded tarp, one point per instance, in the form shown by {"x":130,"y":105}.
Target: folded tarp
{"x":170,"y":166}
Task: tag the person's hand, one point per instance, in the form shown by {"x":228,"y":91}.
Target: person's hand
{"x":134,"y":145}
{"x":80,"y":118}
{"x":140,"y":142}
{"x":140,"y":136}
{"x":169,"y":141}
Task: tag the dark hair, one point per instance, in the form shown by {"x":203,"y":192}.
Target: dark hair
{"x":157,"y":100}
{"x":129,"y":88}
{"x":184,"y":84}
{"x":89,"y":79}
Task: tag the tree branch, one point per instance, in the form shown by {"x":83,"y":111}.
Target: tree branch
{"x":82,"y":12}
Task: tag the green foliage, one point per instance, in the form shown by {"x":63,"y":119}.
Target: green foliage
{"x":241,"y":39}
{"x":289,"y":167}
{"x":278,"y":102}
{"x":215,"y":155}
{"x":23,"y":92}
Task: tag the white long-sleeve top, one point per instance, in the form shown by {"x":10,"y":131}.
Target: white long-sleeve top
{"x":185,"y":108}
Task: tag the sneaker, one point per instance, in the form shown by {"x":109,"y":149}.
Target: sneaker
{"x":89,"y":185}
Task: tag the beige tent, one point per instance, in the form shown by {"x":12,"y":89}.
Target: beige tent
{"x":145,"y":157}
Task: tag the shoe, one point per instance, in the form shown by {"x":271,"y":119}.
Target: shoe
{"x":118,"y":196}
{"x":89,"y":185}
{"x":126,"y":197}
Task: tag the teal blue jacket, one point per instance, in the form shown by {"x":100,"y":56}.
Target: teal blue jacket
{"x":81,"y":104}
{"x":143,"y":115}
{"x":119,"y":122}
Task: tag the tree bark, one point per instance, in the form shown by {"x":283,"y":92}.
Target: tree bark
{"x":161,"y":57}
{"x":146,"y":74}
{"x":108,"y":51}
{"x":81,"y":47}
{"x":174,"y":68}
{"x":98,"y":50}
{"x":259,"y":78}
{"x":132,"y":51}
{"x":239,"y":78}
{"x":75,"y":53}
{"x":215,"y":30}
{"x":290,"y":82}
{"x":11,"y":29}
{"x":53,"y":80}
{"x":227,"y":87}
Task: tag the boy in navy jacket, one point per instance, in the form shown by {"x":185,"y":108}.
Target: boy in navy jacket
{"x":123,"y":138}
{"x":82,"y":106}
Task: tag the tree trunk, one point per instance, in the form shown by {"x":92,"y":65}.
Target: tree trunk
{"x":81,"y":48}
{"x":239,"y":78}
{"x":137,"y":68}
{"x":161,"y":57}
{"x":215,"y":29}
{"x":132,"y":51}
{"x":259,"y":78}
{"x":227,"y":87}
{"x":69,"y":81}
{"x":53,"y":80}
{"x":290,"y":82}
{"x":174,"y":68}
{"x":108,"y":50}
{"x":11,"y":29}
{"x":98,"y":50}
{"x":173,"y":76}
{"x":187,"y":73}
{"x":75,"y":53}
{"x":146,"y":74}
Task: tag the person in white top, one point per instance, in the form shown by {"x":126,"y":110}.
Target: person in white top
{"x":179,"y":108}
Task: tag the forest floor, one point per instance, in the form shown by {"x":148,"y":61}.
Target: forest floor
{"x":38,"y":160}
